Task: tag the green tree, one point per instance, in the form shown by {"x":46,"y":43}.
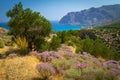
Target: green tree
{"x":28,"y":24}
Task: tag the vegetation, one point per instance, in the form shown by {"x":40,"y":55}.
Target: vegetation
{"x":89,"y":44}
{"x":22,"y":44}
{"x":1,"y":44}
{"x":110,"y":35}
{"x":41,"y":45}
{"x":46,"y":70}
{"x":53,"y":59}
{"x":19,"y":68}
{"x":28,"y":24}
{"x":55,"y":43}
{"x":86,"y":32}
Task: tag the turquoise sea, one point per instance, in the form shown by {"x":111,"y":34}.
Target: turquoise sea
{"x":55,"y":26}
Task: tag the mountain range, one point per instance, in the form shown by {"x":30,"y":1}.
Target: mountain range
{"x":94,"y":16}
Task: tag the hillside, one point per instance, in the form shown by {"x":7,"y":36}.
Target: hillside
{"x":93,"y":16}
{"x":66,"y":65}
{"x":110,"y":34}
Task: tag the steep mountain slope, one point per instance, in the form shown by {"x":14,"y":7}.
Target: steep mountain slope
{"x":93,"y":16}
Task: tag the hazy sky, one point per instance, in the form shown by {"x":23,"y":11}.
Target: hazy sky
{"x":53,"y":9}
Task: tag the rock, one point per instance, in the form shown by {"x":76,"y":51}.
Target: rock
{"x":93,"y":16}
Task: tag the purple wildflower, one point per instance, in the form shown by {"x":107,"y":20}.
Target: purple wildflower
{"x":57,"y":55}
{"x":45,"y":69}
{"x":62,"y":71}
{"x":80,"y":65}
{"x":48,"y":56}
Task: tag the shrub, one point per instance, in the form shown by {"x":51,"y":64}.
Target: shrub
{"x":1,"y":44}
{"x":72,"y":73}
{"x":68,"y":55}
{"x":22,"y":44}
{"x":70,"y":43}
{"x":64,"y":36}
{"x":41,"y":44}
{"x":110,"y":76}
{"x":61,"y":65}
{"x":101,"y":75}
{"x":48,"y":56}
{"x":45,"y":70}
{"x":88,"y":45}
{"x":94,"y":47}
{"x":100,"y":49}
{"x":85,"y":32}
{"x":55,"y":43}
{"x":80,"y":66}
{"x":98,"y":75}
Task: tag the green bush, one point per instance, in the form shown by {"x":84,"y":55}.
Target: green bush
{"x":70,"y":43}
{"x":88,"y":45}
{"x":78,"y":49}
{"x":72,"y":73}
{"x":65,"y":36}
{"x":101,"y":75}
{"x":101,"y":50}
{"x":55,"y":43}
{"x":1,"y":44}
{"x":98,"y":75}
{"x":41,"y":44}
{"x":61,"y":64}
{"x":94,"y":47}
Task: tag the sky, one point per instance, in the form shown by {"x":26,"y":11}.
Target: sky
{"x":52,"y":9}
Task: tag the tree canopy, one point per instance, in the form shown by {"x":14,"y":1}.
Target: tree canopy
{"x":27,"y":23}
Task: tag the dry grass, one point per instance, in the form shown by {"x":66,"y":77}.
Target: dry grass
{"x":19,"y":68}
{"x":72,"y":49}
{"x":3,"y":50}
{"x":21,"y":42}
{"x":7,"y":48}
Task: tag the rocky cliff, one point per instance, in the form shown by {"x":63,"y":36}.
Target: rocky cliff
{"x":93,"y":16}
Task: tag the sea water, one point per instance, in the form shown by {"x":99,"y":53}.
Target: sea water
{"x":56,"y":26}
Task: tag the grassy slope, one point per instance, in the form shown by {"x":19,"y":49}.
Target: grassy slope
{"x":24,"y":68}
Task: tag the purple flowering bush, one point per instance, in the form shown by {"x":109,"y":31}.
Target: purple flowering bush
{"x":46,"y":70}
{"x":80,"y":66}
{"x":48,"y":56}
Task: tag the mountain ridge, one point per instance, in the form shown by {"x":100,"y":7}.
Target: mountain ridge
{"x":93,"y":16}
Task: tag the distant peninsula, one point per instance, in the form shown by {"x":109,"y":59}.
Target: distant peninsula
{"x":93,"y":16}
